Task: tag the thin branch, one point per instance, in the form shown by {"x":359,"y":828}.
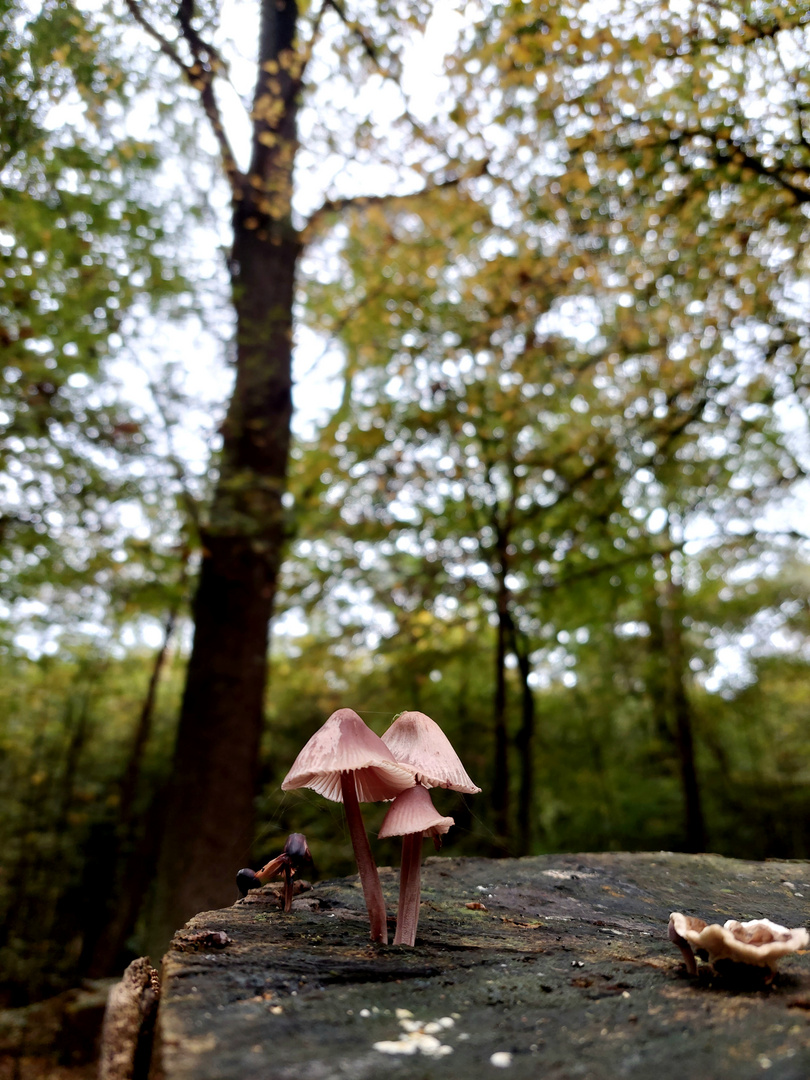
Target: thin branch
{"x":369,"y":47}
{"x":753,"y":31}
{"x":738,"y":154}
{"x":164,"y":44}
{"x":200,"y":77}
{"x":199,"y":47}
{"x":204,"y":83}
{"x":362,"y":202}
{"x":313,"y":37}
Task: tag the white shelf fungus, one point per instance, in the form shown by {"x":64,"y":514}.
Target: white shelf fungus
{"x":759,"y":943}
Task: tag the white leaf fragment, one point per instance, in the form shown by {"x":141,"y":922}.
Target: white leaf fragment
{"x":418,"y":1036}
{"x":501,"y":1059}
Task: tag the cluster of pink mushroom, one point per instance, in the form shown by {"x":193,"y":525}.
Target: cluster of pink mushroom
{"x":346,"y":762}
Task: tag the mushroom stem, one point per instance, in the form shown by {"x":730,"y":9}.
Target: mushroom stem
{"x":410,"y":889}
{"x":685,"y":947}
{"x":288,"y":888}
{"x":369,"y":878}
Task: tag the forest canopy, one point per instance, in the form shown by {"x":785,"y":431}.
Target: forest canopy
{"x":546,"y":480}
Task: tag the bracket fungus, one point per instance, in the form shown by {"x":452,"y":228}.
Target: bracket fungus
{"x":419,"y":742}
{"x":346,"y":762}
{"x":757,"y":944}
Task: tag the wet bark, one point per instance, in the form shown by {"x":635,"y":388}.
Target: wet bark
{"x":562,"y":968}
{"x":129,"y":1020}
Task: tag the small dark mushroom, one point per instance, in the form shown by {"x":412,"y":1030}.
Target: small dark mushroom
{"x":298,"y":852}
{"x":246,"y":880}
{"x":295,"y":858}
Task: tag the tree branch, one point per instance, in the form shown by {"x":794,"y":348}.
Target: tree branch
{"x":199,"y":75}
{"x":316,"y":29}
{"x":369,"y":47}
{"x":738,"y":154}
{"x":199,"y":47}
{"x":164,"y":44}
{"x":362,"y":202}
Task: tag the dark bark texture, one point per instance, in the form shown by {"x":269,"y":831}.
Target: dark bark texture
{"x":524,"y":741}
{"x":560,"y":965}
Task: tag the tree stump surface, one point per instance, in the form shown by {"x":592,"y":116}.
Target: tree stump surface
{"x":557,"y":967}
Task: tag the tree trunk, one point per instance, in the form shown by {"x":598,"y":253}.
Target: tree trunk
{"x":500,"y":779}
{"x":657,"y":672}
{"x":682,"y":714}
{"x":210,"y":812}
{"x":133,"y":854}
{"x":524,"y":742}
{"x":143,"y":730}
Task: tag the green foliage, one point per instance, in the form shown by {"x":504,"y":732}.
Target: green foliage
{"x":66,"y":735}
{"x":564,"y":393}
{"x":83,"y":250}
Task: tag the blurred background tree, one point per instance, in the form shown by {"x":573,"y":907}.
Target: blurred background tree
{"x":559,"y":503}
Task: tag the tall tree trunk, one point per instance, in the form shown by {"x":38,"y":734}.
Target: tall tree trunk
{"x":672,"y":625}
{"x":524,"y":741}
{"x":210,"y":809}
{"x":500,"y":777}
{"x":133,"y":855}
{"x":656,"y":671}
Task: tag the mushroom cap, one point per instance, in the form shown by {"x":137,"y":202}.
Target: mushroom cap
{"x":345,"y":744}
{"x":759,"y":942}
{"x":413,"y":812}
{"x":418,"y":741}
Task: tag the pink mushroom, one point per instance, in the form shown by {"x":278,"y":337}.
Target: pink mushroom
{"x":346,"y":762}
{"x":418,"y":741}
{"x":412,"y":816}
